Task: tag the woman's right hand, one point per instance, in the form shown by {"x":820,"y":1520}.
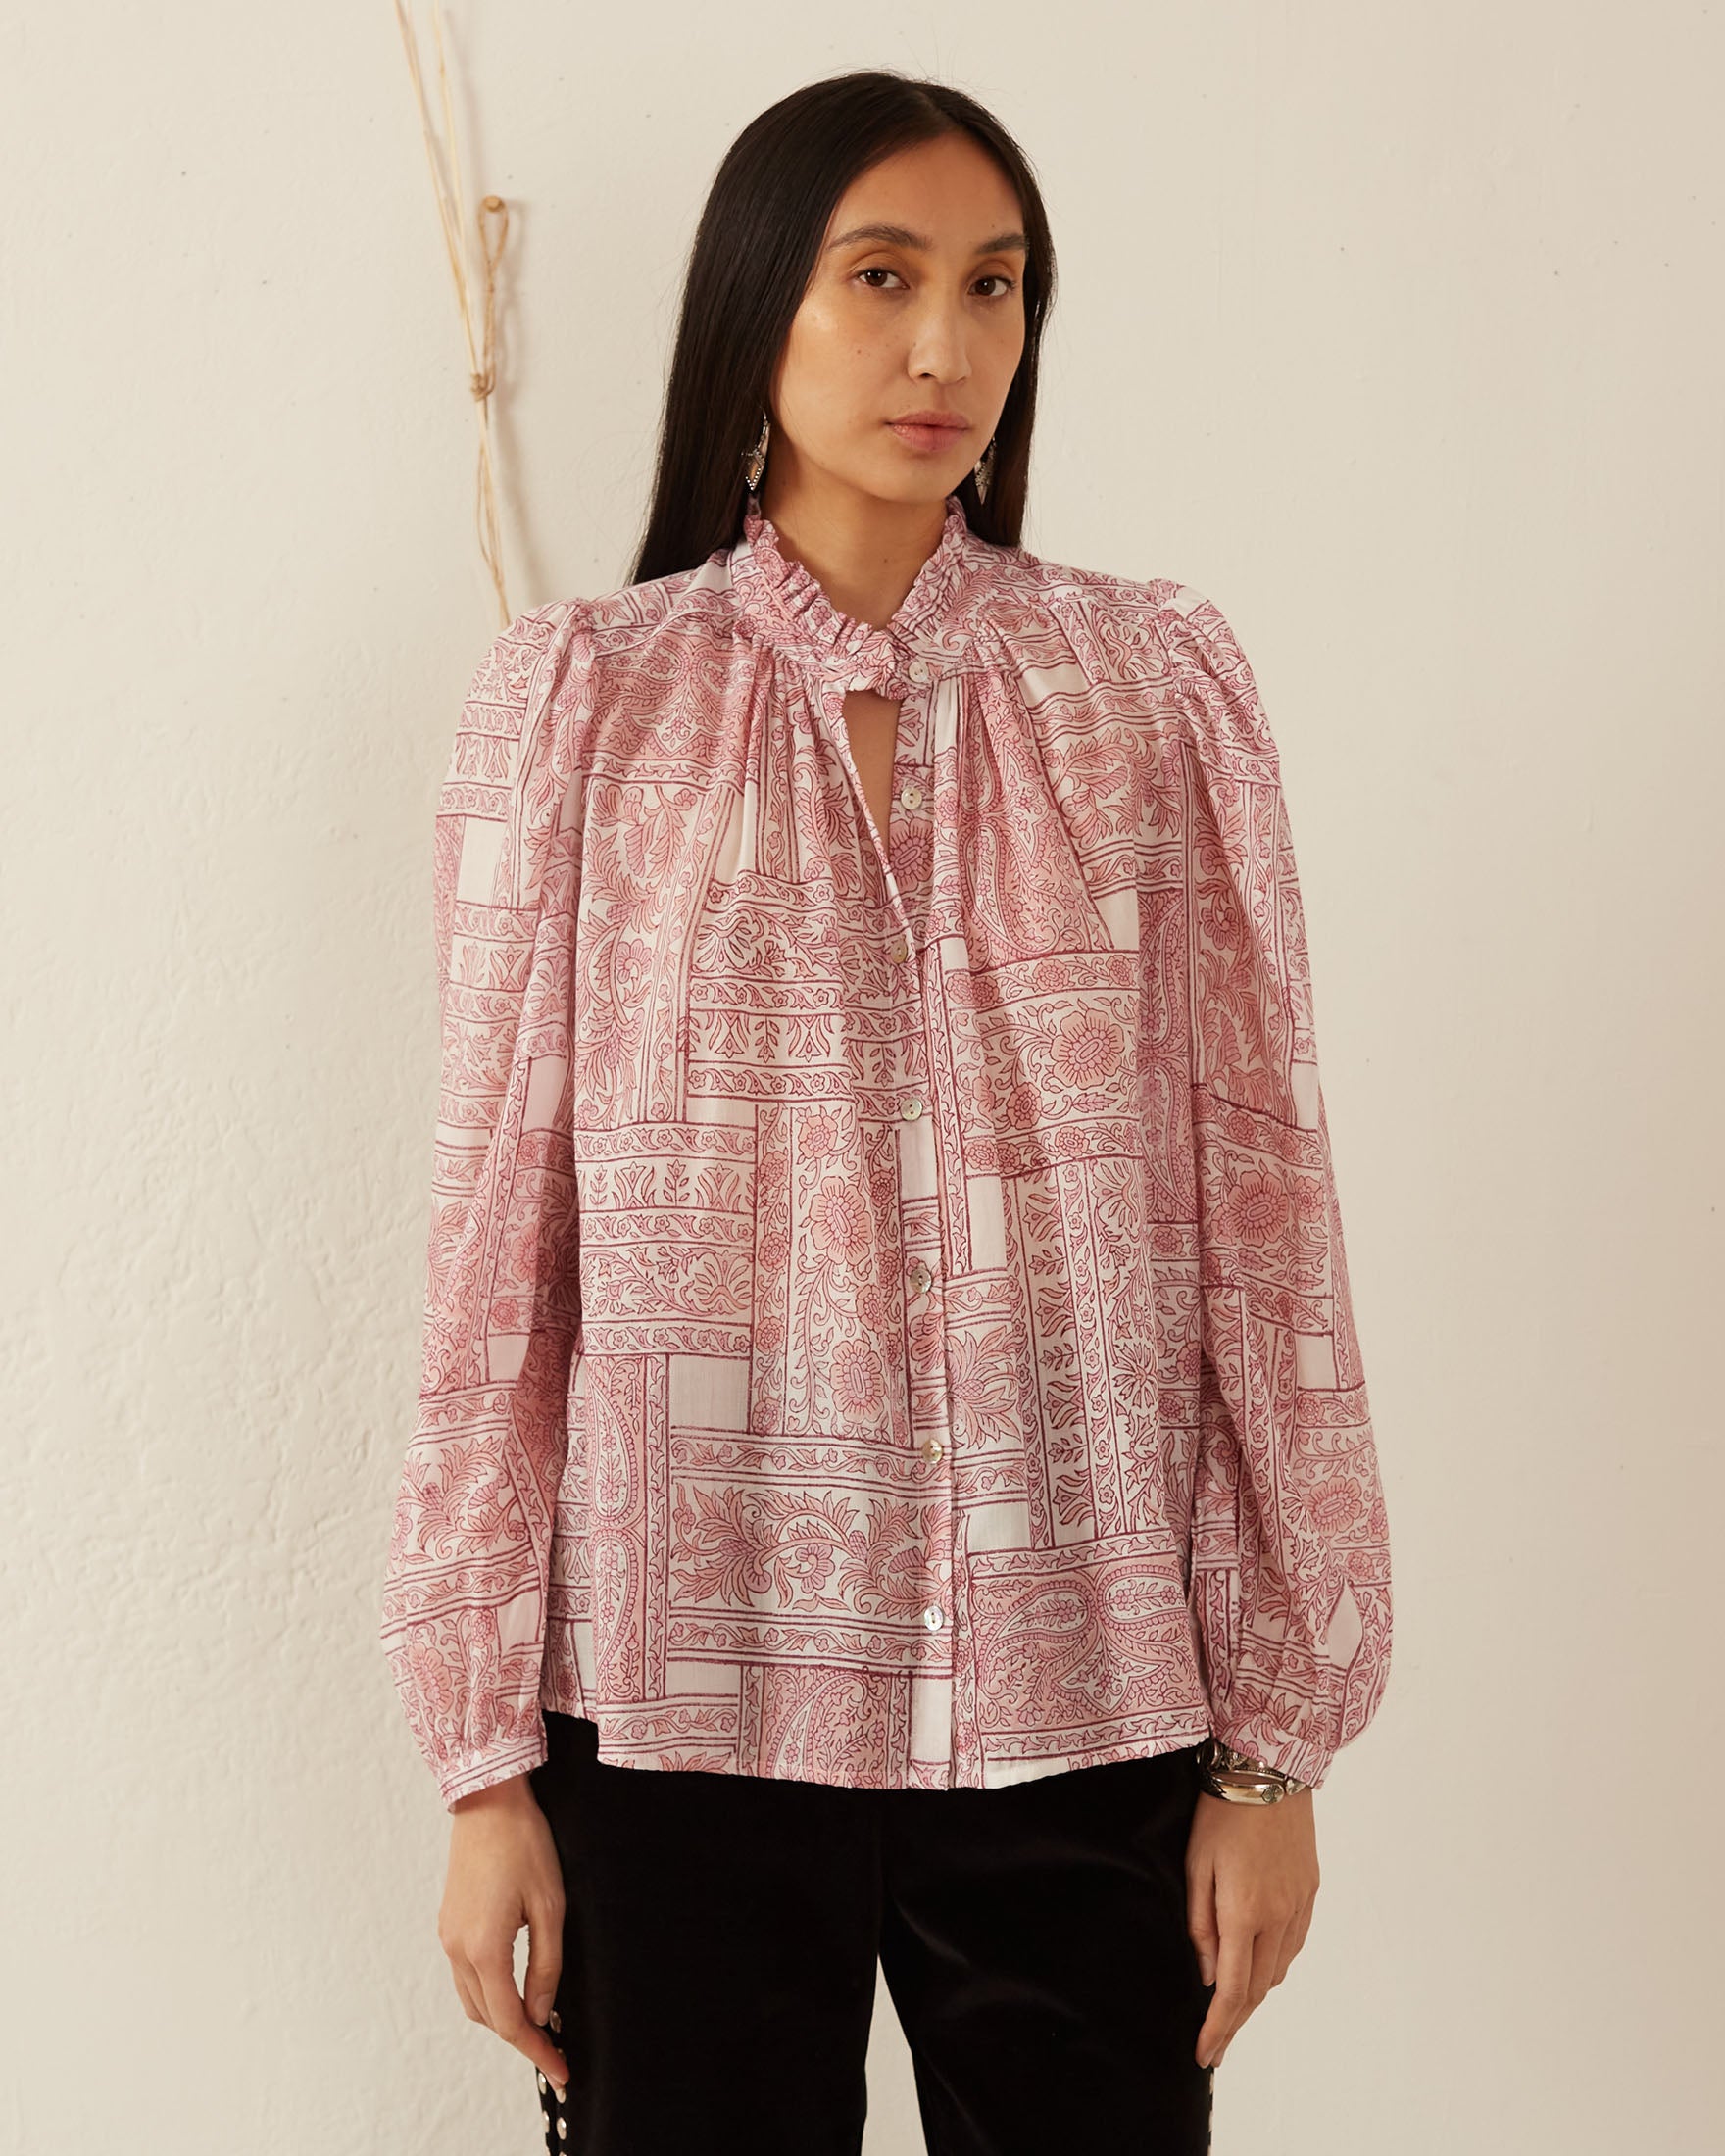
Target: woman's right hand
{"x":503,"y":1873}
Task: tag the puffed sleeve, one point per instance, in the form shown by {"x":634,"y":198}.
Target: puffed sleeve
{"x":1290,"y":1540}
{"x":465,"y":1600}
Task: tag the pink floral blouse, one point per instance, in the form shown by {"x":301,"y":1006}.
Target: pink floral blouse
{"x":887,"y":1321}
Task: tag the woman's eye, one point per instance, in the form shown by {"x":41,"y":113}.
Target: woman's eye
{"x":995,"y":276}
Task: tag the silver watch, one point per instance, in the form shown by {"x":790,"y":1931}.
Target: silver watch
{"x":1242,"y":1779}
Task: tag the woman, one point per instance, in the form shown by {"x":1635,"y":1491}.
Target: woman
{"x":888,"y":1348}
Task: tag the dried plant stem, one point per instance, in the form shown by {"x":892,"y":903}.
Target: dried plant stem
{"x":448,"y":188}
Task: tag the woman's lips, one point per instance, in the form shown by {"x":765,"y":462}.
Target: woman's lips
{"x":915,"y":434}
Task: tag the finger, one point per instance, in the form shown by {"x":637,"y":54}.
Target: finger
{"x":1229,"y":2007}
{"x":1213,"y":2032}
{"x":506,"y":2015}
{"x":1266,"y":1954}
{"x":1294,"y":1938}
{"x":467,"y":1990}
{"x":544,"y":1959}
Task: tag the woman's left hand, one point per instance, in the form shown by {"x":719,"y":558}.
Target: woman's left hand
{"x":1251,"y":1880}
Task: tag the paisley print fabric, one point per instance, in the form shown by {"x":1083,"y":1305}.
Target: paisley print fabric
{"x":887,"y":1321}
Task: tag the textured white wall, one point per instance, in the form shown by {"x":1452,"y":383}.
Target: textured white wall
{"x":1398,"y":332}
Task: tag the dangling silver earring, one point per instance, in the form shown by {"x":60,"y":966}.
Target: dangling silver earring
{"x":757,"y":457}
{"x":984,"y":470}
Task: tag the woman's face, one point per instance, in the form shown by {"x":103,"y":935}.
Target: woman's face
{"x":917,"y":306}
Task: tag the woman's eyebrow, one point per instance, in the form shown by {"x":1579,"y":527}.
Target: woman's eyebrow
{"x":898,"y":235}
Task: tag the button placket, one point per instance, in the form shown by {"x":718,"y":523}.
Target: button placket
{"x":914,"y":720}
{"x":830,"y":691}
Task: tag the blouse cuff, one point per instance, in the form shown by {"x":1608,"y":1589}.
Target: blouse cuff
{"x":466,"y":1777}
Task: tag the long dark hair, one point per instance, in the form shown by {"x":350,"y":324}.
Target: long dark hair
{"x":753,"y":252}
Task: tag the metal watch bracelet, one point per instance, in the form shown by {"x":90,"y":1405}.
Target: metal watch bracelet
{"x":1239,"y":1777}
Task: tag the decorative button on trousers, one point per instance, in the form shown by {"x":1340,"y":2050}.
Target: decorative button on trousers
{"x":722,"y":1934}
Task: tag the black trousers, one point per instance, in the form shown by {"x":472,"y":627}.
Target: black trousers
{"x":722,"y":1934}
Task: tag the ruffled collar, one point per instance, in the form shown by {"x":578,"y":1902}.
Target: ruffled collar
{"x":784,"y":601}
